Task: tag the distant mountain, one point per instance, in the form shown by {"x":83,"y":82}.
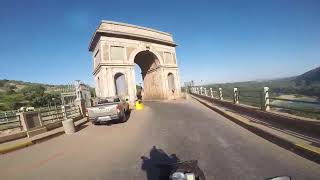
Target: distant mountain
{"x":309,"y":78}
{"x":304,"y":84}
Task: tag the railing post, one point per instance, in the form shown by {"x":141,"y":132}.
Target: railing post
{"x":211,"y":92}
{"x":266,"y":99}
{"x":235,"y":96}
{"x":20,"y":123}
{"x":64,"y":112}
{"x":205,"y":92}
{"x":5,"y":115}
{"x":220,"y":94}
{"x":201,"y":90}
{"x":262,"y":100}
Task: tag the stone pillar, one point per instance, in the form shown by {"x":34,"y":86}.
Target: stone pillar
{"x":32,"y":123}
{"x":211,"y":92}
{"x":178,"y":85}
{"x":64,"y":111}
{"x":266,"y":99}
{"x":220,"y":94}
{"x":205,"y":92}
{"x":235,"y":96}
{"x":131,"y":87}
{"x":109,"y":80}
{"x":68,"y":126}
{"x":82,"y":105}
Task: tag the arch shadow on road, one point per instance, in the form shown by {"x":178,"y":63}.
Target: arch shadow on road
{"x":157,"y":165}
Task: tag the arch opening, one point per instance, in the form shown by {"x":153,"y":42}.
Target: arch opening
{"x":149,"y":65}
{"x":120,"y":83}
{"x":171,"y":83}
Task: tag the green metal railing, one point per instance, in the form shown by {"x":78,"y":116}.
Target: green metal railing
{"x":11,"y":120}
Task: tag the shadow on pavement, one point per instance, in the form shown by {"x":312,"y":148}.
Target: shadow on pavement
{"x":156,"y":166}
{"x":79,"y":128}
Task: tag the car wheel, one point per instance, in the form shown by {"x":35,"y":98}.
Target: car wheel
{"x":124,"y":117}
{"x":95,"y":123}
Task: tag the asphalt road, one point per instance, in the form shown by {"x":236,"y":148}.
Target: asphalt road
{"x":184,"y":128}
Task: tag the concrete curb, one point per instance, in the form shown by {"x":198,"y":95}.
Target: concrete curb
{"x":35,"y":141}
{"x":307,"y":151}
{"x":16,"y":147}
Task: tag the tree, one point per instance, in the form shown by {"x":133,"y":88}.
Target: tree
{"x":14,"y":101}
{"x":46,"y":99}
{"x":32,"y":92}
{"x":10,"y":88}
{"x":2,"y":83}
{"x":92,"y":92}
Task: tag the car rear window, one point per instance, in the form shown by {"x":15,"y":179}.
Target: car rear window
{"x":108,"y":100}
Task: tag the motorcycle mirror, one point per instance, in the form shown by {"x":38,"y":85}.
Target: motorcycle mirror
{"x":280,"y":178}
{"x":143,"y":158}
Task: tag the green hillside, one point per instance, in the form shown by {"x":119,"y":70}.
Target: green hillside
{"x":15,"y":94}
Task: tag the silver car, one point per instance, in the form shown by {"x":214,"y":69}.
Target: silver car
{"x":107,"y":109}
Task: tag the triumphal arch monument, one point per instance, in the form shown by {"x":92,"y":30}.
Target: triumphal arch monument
{"x":117,"y":47}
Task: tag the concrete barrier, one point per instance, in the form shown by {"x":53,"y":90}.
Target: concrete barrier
{"x":12,"y":137}
{"x":52,"y":126}
{"x":24,"y":134}
{"x":68,"y":126}
{"x":295,"y":123}
{"x":5,"y":148}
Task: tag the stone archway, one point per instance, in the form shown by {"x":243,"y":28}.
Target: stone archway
{"x":171,"y":85}
{"x":117,"y":47}
{"x":120,"y":84}
{"x":151,"y":74}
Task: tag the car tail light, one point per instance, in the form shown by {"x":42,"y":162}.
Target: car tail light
{"x":118,"y":108}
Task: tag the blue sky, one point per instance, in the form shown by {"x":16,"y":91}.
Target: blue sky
{"x":219,"y":41}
